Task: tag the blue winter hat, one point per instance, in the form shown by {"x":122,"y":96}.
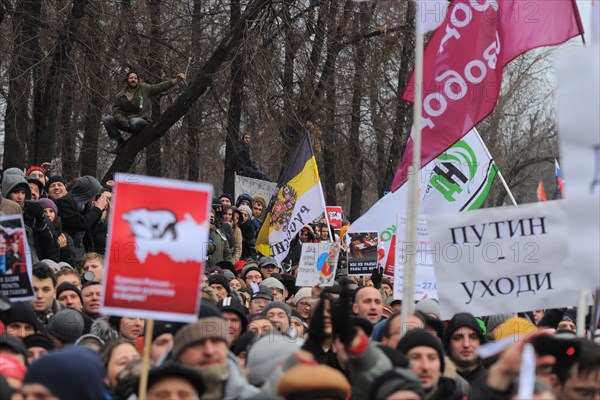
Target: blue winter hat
{"x":58,"y":370}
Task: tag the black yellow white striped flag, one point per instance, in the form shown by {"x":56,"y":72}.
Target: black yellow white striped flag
{"x":298,"y":200}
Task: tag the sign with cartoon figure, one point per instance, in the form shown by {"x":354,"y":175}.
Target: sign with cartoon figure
{"x":157,"y":248}
{"x":318,"y":263}
{"x":15,"y":259}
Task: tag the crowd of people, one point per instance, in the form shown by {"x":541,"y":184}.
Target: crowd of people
{"x":258,"y":335}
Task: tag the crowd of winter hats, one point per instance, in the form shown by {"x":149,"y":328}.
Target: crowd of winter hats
{"x":260,"y":336}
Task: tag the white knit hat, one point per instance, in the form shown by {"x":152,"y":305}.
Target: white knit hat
{"x":303,"y":293}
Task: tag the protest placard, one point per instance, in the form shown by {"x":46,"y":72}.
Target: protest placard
{"x":504,"y":260}
{"x":157,"y":247}
{"x":335,"y":217}
{"x":15,"y":259}
{"x":318,"y":263}
{"x":362,"y":257}
{"x":254,"y":187}
{"x":578,"y":102}
{"x":425,"y":285}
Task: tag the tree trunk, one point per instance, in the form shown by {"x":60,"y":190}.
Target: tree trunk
{"x":234,"y":111}
{"x":16,"y":127}
{"x":66,"y":145}
{"x":153,"y":151}
{"x":45,"y":112}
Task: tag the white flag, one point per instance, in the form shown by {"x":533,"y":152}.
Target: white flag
{"x":458,"y":179}
{"x":430,"y":14}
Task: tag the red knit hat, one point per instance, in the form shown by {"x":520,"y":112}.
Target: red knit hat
{"x":34,"y":168}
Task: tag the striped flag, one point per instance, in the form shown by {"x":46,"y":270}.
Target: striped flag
{"x":298,"y":200}
{"x":540,"y":193}
{"x":559,"y":179}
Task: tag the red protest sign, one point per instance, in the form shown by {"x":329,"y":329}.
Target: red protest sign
{"x":157,"y":246}
{"x":334,"y":215}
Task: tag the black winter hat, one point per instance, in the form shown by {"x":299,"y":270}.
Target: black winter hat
{"x":38,"y":340}
{"x":169,"y":370}
{"x":420,"y":337}
{"x":227,"y":196}
{"x":55,"y":178}
{"x":22,"y":311}
{"x":68,"y":286}
{"x":460,"y":320}
{"x":219,"y":280}
{"x":234,"y":305}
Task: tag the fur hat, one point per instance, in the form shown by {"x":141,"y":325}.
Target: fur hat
{"x":420,"y":337}
{"x":66,"y":325}
{"x":211,"y":327}
{"x":310,"y":381}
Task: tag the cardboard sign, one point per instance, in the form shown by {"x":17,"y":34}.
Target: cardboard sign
{"x":335,"y":216}
{"x":254,"y":187}
{"x":15,"y":259}
{"x":362,"y":257}
{"x":318,"y":263}
{"x":157,"y":248}
{"x":425,"y":285}
{"x":504,"y":260}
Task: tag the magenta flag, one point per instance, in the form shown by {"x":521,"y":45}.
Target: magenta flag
{"x":463,"y":63}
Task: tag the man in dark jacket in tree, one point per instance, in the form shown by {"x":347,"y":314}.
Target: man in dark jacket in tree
{"x":245,"y":165}
{"x":132,"y":108}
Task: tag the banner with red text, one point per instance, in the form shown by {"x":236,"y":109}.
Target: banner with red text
{"x":463,"y":62}
{"x":157,"y":248}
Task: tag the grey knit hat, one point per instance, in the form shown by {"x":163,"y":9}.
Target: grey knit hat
{"x":303,"y":293}
{"x":211,"y":327}
{"x":266,"y":353}
{"x":67,"y":325}
{"x":86,"y":189}
{"x":13,"y":179}
{"x":277,"y":304}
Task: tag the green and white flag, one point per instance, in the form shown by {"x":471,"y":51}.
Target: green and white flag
{"x":457,"y":180}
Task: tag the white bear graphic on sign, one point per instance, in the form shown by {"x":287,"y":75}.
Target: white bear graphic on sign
{"x":158,"y":231}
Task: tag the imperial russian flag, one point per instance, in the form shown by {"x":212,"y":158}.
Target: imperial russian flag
{"x":463,"y":63}
{"x":297,"y":202}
